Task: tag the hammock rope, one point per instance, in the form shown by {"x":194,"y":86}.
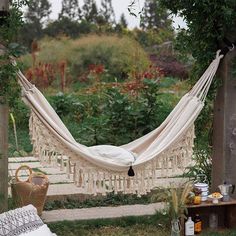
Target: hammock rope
{"x":101,"y":169}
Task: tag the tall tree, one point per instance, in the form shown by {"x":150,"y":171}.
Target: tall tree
{"x":123,"y":21}
{"x":90,"y":11}
{"x":38,"y":11}
{"x":70,"y":9}
{"x":107,"y":11}
{"x":36,"y":17}
{"x":155,"y":16}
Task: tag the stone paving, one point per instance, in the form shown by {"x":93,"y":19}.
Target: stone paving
{"x":61,"y":188}
{"x":101,"y":212}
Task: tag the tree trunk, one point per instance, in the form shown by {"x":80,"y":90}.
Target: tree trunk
{"x":224,"y":124}
{"x":4,"y":7}
{"x":3,"y":157}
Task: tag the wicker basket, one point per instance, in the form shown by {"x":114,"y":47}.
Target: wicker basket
{"x":32,"y":191}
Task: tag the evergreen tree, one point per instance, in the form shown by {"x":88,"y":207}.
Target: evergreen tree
{"x":36,"y":17}
{"x":38,"y":11}
{"x":155,"y":16}
{"x":90,"y":11}
{"x":70,"y":9}
{"x":123,"y":21}
{"x":107,"y":11}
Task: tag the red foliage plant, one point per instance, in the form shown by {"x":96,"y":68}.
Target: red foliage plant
{"x":96,"y":69}
{"x":133,"y":86}
{"x":153,"y":72}
{"x":44,"y":74}
{"x":170,"y":65}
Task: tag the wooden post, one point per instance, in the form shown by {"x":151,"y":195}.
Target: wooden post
{"x":4,"y":7}
{"x":4,"y":10}
{"x":224,"y":124}
{"x":3,"y":157}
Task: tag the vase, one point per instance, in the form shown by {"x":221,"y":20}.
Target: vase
{"x":175,"y":227}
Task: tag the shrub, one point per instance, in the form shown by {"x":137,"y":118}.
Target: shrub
{"x":110,"y":115}
{"x":67,"y":105}
{"x":21,"y":115}
{"x":120,"y":56}
{"x":170,"y":65}
{"x":201,"y":171}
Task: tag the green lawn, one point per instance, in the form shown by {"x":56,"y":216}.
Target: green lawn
{"x":126,"y":226}
{"x":143,"y":225}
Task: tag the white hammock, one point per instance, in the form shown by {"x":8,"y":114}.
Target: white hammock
{"x":101,"y":169}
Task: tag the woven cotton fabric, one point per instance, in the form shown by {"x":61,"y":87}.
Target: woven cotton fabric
{"x":19,"y":221}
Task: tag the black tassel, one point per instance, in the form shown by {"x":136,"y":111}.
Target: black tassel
{"x":131,"y":172}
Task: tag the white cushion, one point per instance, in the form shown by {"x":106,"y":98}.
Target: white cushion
{"x":113,"y":154}
{"x":41,"y":231}
{"x":21,"y":221}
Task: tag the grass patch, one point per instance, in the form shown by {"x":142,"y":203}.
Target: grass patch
{"x":156,"y":225}
{"x":143,"y":225}
{"x":222,"y":233}
{"x":110,"y":199}
{"x":23,"y":141}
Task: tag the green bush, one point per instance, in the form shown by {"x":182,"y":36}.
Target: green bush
{"x":21,"y":114}
{"x":107,"y":116}
{"x":120,"y":56}
{"x":66,"y":105}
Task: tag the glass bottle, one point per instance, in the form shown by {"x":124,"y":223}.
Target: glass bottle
{"x":189,"y":227}
{"x":213,"y":221}
{"x":197,"y":224}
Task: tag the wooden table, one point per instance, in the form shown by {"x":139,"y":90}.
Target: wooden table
{"x":226,"y":212}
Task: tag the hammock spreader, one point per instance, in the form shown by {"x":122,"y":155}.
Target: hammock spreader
{"x":101,"y":169}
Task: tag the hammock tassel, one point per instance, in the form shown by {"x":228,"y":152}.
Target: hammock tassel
{"x":131,"y":172}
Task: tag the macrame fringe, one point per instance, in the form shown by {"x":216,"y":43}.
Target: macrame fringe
{"x":95,"y":180}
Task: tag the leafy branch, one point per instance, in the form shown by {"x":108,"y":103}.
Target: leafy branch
{"x":9,"y":28}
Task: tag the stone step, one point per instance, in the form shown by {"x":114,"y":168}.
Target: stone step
{"x":53,"y":179}
{"x":101,"y":212}
{"x":46,"y":170}
{"x":22,"y":159}
{"x":63,"y":191}
{"x":16,"y":165}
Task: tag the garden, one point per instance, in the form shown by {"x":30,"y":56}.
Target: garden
{"x":110,"y":85}
{"x":110,"y":103}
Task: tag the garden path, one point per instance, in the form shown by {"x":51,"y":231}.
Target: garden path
{"x":101,"y":212}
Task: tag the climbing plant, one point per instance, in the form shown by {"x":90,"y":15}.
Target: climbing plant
{"x":208,"y":22}
{"x":9,"y":26}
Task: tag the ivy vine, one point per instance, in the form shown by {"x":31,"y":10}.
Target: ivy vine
{"x":9,"y":27}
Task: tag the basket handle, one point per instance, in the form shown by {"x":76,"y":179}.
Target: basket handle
{"x":37,"y":174}
{"x":20,"y":168}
